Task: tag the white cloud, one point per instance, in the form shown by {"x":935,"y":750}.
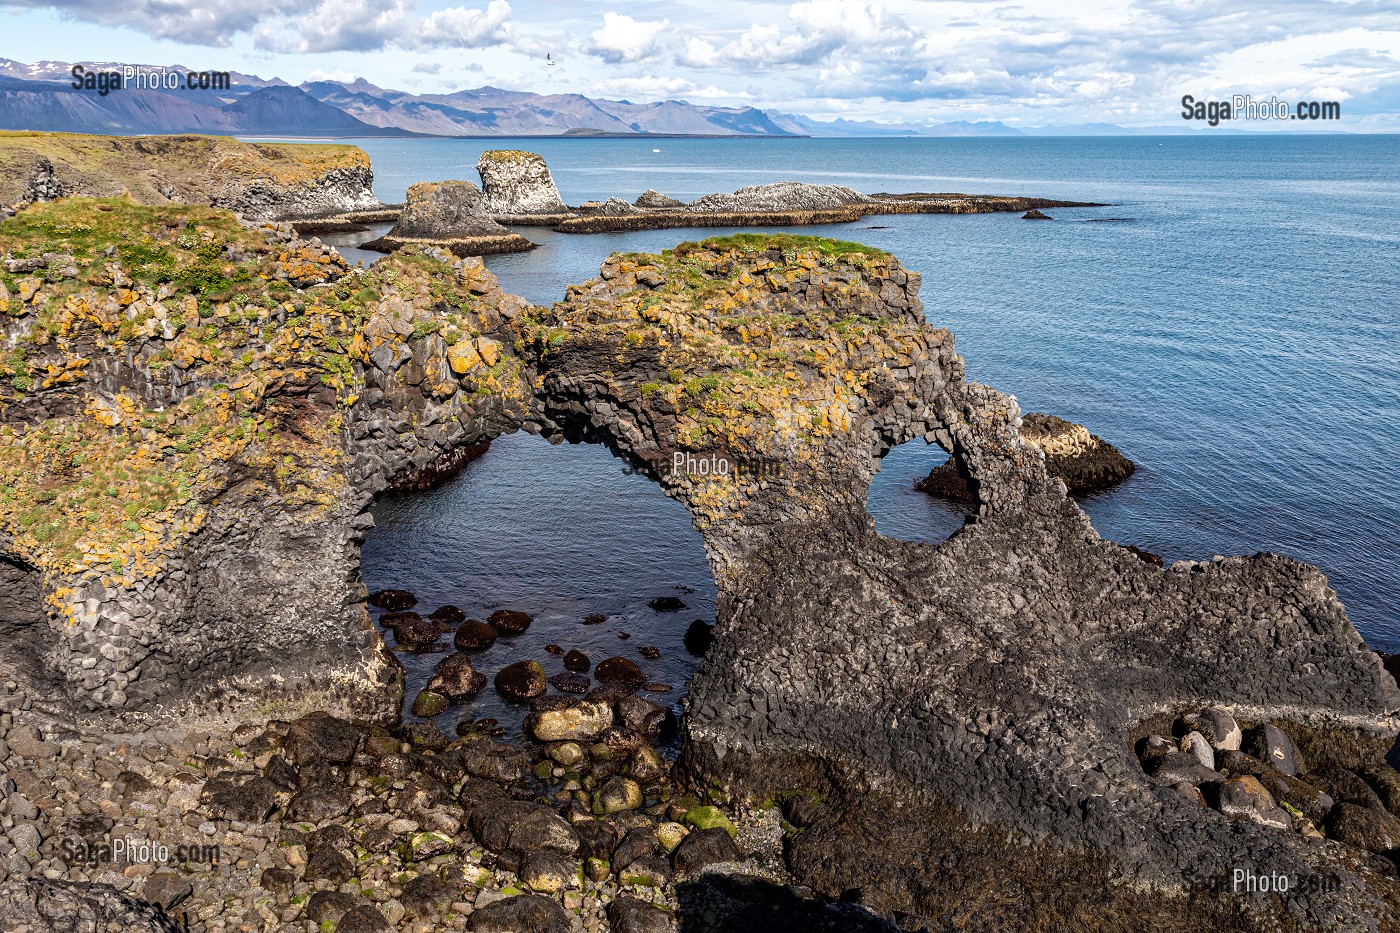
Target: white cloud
{"x":664,"y":88}
{"x":624,"y":39}
{"x":464,"y":28}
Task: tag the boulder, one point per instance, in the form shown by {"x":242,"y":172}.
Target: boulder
{"x":699,"y":637}
{"x":619,"y":671}
{"x":521,"y":680}
{"x":549,"y":872}
{"x":576,"y":661}
{"x":582,"y":721}
{"x":515,"y":182}
{"x":510,"y":621}
{"x":1272,"y":744}
{"x":708,"y":817}
{"x":321,"y":738}
{"x":245,"y":798}
{"x":1180,"y":768}
{"x":393,"y":599}
{"x":429,"y":703}
{"x":525,"y":913}
{"x":455,"y":678}
{"x":319,"y":803}
{"x":1219,"y":728}
{"x":1035,"y":214}
{"x":475,"y":635}
{"x":328,"y":907}
{"x":448,"y":617}
{"x":365,"y":918}
{"x":703,"y":848}
{"x":327,"y":864}
{"x":569,"y":682}
{"x":618,"y":795}
{"x":627,"y":914}
{"x":1245,"y":798}
{"x":642,"y":716}
{"x":426,"y":896}
{"x":667,"y":604}
{"x":1193,"y":743}
{"x":412,"y":630}
{"x":1355,"y":825}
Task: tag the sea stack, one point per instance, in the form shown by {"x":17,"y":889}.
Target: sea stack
{"x":449,"y":214}
{"x":517,"y":185}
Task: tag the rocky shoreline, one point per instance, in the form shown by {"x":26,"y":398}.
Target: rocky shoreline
{"x":239,"y":398}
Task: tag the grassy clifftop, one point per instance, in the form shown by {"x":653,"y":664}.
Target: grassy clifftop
{"x":162,"y":354}
{"x":161,"y":169}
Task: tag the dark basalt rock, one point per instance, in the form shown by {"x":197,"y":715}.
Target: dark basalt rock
{"x":393,"y":599}
{"x":649,"y":651}
{"x":425,"y":896}
{"x":651,"y":199}
{"x":526,"y":912}
{"x":447,"y":617}
{"x":1034,"y":214}
{"x":521,"y":680}
{"x":365,"y":918}
{"x":569,"y":682}
{"x":242,"y":797}
{"x":455,"y":678}
{"x":667,"y":604}
{"x":627,"y":914}
{"x":703,"y":848}
{"x":413,"y":631}
{"x":321,"y":738}
{"x":319,"y":803}
{"x":596,"y":618}
{"x":429,"y":703}
{"x":327,"y":864}
{"x":510,"y":621}
{"x":698,"y":637}
{"x":475,"y":635}
{"x":576,"y":661}
{"x":451,"y":215}
{"x":619,"y":671}
{"x":328,"y":907}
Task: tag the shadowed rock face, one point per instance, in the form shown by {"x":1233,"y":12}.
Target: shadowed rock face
{"x":973,"y":700}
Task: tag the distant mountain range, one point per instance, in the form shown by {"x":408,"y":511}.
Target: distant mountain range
{"x":40,"y":96}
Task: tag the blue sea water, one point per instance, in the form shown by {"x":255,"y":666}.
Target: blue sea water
{"x":1231,"y":322}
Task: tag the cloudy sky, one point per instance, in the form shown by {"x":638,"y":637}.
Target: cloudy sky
{"x":1031,"y":63}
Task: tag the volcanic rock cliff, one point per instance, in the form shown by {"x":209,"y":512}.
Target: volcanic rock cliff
{"x":196,"y":421}
{"x":262,"y":181}
{"x":449,"y":214}
{"x":517,"y":184}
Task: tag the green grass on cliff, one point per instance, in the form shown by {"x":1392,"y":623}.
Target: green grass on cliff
{"x":784,"y":242}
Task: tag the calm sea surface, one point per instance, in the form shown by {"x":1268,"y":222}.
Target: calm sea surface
{"x":1232,"y":323}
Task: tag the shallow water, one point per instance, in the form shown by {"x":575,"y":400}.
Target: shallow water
{"x":1234,"y":333}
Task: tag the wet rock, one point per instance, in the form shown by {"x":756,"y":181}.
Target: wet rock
{"x":246,"y":798}
{"x":455,"y":678}
{"x":650,"y":871}
{"x":475,"y":791}
{"x":448,"y":617}
{"x":803,"y":809}
{"x":493,"y":819}
{"x":274,"y":880}
{"x":393,"y":599}
{"x":1355,"y":825}
{"x":569,"y":682}
{"x":1272,"y":744}
{"x":1219,"y":728}
{"x":576,"y":661}
{"x":554,"y":649}
{"x":596,"y":618}
{"x":549,"y":872}
{"x":365,"y":918}
{"x":429,"y":844}
{"x":328,"y":907}
{"x":521,"y":680}
{"x":597,"y":838}
{"x":628,"y":914}
{"x":620,"y":742}
{"x":653,"y":687}
{"x":510,"y":621}
{"x":424,"y":736}
{"x":617,"y":795}
{"x":319,"y":803}
{"x":583,"y":721}
{"x":475,"y":635}
{"x":647,"y":765}
{"x":1034,"y":214}
{"x":1193,"y":743}
{"x":703,"y":848}
{"x":1180,"y":768}
{"x":503,"y":763}
{"x":321,"y":737}
{"x":526,"y":913}
{"x":413,"y":631}
{"x":1297,"y":793}
{"x":649,"y":651}
{"x":620,"y":671}
{"x":426,"y":896}
{"x":333,"y":836}
{"x":667,"y":604}
{"x":429,"y":703}
{"x":642,"y":716}
{"x":699,"y":637}
{"x":1237,"y":763}
{"x":1245,"y":798}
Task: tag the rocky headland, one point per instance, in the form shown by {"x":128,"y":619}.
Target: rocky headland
{"x":1084,"y":462}
{"x":261,"y":181}
{"x":196,"y":415}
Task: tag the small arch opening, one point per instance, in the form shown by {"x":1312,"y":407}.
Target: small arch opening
{"x":918,"y":494}
{"x":594,"y":552}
